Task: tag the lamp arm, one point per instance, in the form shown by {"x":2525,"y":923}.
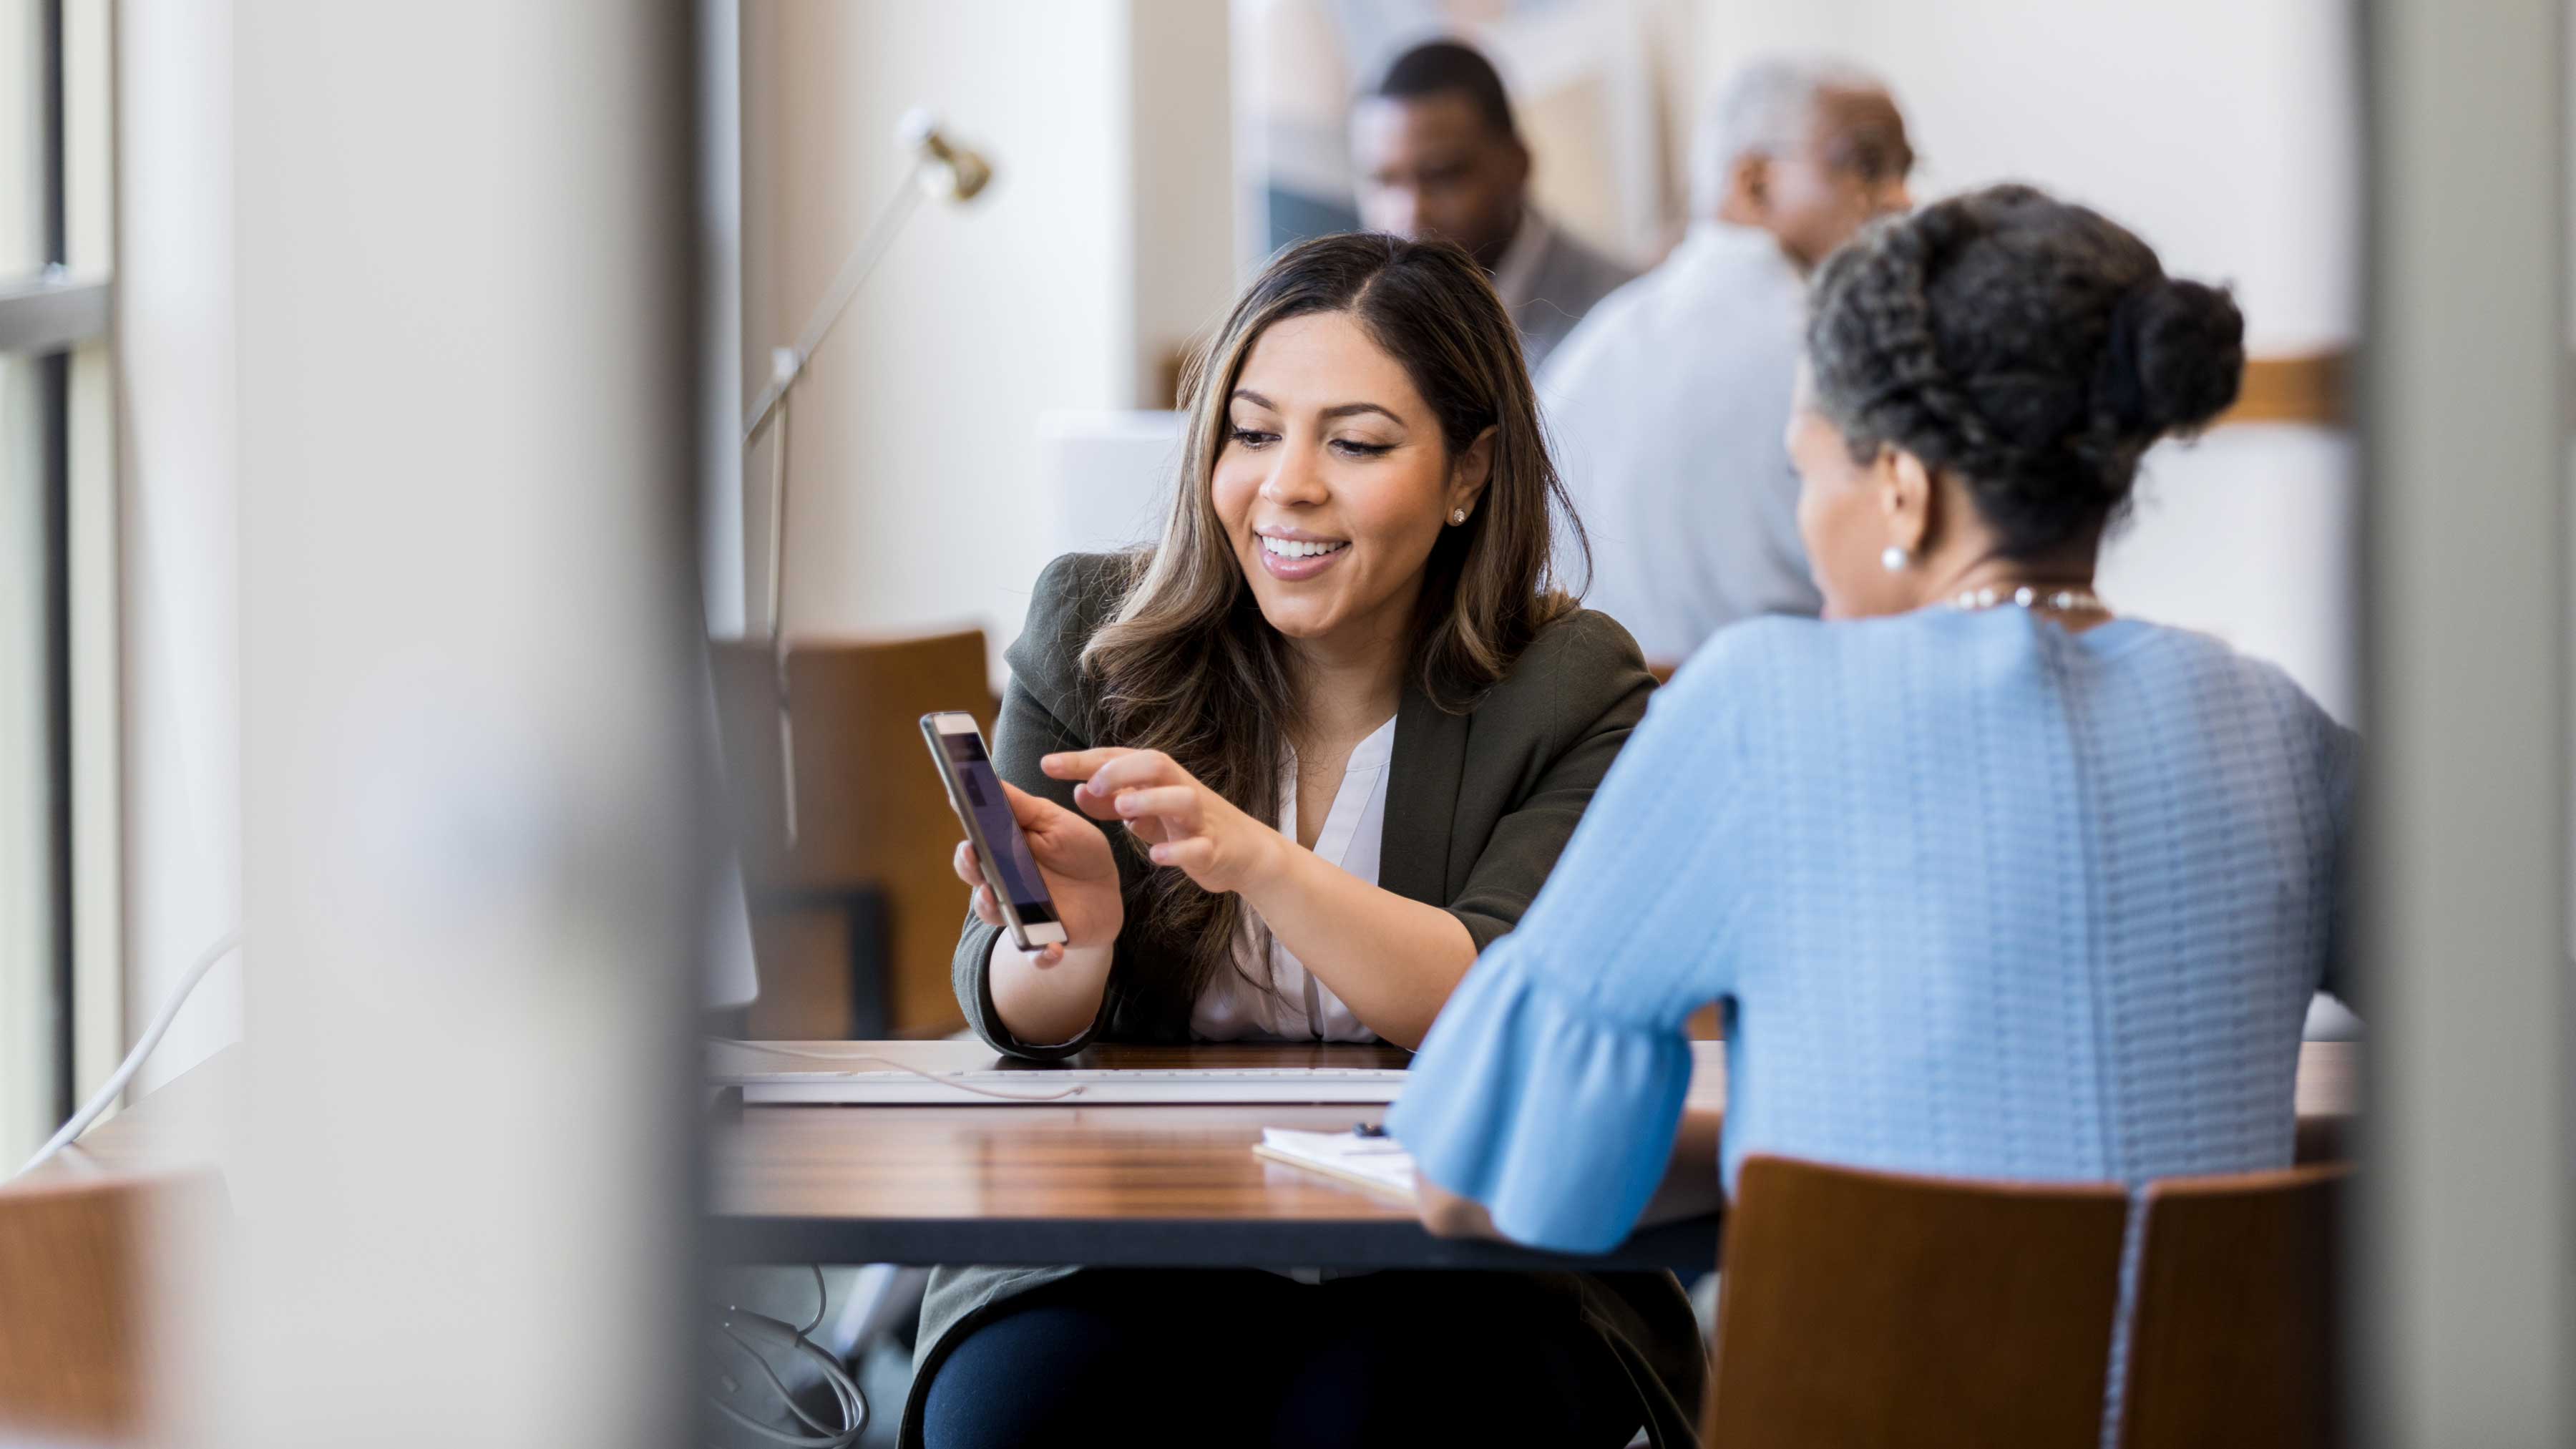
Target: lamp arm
{"x":790,"y":365}
{"x":787,"y":366}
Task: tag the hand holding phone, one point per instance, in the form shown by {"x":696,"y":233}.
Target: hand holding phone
{"x":1044,"y":873}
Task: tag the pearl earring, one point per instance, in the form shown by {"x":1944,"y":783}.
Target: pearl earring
{"x":1457,"y":516}
{"x":1895,"y":559}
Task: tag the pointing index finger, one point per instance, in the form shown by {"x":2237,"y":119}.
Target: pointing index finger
{"x":1134,"y":769}
{"x":1078,"y":764}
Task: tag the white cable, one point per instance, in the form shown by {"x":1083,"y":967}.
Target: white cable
{"x":824,"y":1436}
{"x":853,"y":1403}
{"x":845,"y":1391}
{"x":786,"y":1051}
{"x":225,"y":946}
{"x":822,"y":1301}
{"x":786,"y":1396}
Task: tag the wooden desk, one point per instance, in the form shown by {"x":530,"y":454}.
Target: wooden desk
{"x":1096,"y":1185}
{"x":1143,"y":1185}
{"x":1131,"y":1186}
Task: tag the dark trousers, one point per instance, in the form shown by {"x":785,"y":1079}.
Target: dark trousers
{"x":1231,"y":1356}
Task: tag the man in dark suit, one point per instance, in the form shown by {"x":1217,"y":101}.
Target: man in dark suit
{"x":1438,"y":154}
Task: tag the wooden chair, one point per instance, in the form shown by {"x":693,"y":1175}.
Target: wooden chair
{"x":855,"y":924}
{"x":1863,"y":1310}
{"x":2234,"y":1338}
{"x":74,"y":1279}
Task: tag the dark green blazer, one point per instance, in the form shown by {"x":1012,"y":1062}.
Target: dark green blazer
{"x":1478,"y":805}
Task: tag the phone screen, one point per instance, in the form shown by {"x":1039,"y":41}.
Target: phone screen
{"x":1005,"y":850}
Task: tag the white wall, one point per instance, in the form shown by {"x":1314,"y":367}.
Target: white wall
{"x":913,"y":439}
{"x":2223,"y":131}
{"x":2247,"y":535}
{"x":182,"y":683}
{"x":2226,"y":134}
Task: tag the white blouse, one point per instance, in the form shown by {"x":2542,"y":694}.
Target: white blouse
{"x":1231,"y":1008}
{"x":1298,"y":1007}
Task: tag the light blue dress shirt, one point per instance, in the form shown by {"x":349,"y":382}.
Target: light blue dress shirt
{"x":1984,"y":898}
{"x":1665,"y":411}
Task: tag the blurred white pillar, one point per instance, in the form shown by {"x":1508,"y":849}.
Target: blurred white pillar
{"x":180,"y":517}
{"x":2466,"y":1262}
{"x":465,"y":430}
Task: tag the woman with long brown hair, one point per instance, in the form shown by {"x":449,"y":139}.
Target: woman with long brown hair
{"x":1341,"y":718}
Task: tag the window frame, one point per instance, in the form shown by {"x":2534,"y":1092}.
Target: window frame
{"x":45,"y":316}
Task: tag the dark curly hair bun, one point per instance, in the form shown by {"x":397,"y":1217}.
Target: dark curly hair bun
{"x":2185,"y":347}
{"x":2030,"y":348}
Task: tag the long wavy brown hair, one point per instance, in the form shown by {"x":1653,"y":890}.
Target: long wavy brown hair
{"x":1188,"y":665}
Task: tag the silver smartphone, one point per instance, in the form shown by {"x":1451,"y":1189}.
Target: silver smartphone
{"x":975,"y":792}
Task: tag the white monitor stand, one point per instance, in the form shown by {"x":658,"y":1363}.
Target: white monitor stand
{"x":728,"y":977}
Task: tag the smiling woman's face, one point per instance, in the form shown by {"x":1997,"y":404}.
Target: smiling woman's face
{"x":1334,"y":481}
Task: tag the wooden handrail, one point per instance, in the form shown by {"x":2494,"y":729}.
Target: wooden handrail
{"x":2312,"y":388}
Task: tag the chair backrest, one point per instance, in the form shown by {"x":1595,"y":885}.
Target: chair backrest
{"x":1874,"y":1309}
{"x":873,"y":829}
{"x":74,"y":1292}
{"x":2234,"y":1336}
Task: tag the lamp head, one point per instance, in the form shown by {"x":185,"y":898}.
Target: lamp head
{"x":949,"y":171}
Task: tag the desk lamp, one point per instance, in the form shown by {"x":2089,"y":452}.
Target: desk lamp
{"x":939,"y":169}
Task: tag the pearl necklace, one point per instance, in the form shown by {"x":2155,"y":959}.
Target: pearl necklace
{"x":2064,"y":601}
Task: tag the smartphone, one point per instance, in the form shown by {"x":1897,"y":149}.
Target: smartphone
{"x":975,"y":792}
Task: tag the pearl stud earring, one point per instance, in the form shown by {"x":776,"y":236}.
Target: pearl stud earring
{"x":1895,"y":559}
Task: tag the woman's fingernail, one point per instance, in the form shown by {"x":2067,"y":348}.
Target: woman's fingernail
{"x":1156,"y":855}
{"x":1126,"y":805}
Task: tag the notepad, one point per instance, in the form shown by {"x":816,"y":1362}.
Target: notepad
{"x":1379,"y":1165}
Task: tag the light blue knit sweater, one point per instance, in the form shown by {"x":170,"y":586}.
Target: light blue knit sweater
{"x":1984,"y":898}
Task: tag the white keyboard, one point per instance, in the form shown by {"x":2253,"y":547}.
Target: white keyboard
{"x":1073,"y":1086}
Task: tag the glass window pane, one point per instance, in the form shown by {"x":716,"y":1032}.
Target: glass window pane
{"x":97,"y":924}
{"x":89,"y":108}
{"x":28,"y":1052}
{"x":22,"y":137}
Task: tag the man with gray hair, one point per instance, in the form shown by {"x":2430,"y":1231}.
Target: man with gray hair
{"x":1670,"y":401}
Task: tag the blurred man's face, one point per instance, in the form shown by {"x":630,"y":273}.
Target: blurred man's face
{"x":1850,"y":168}
{"x":1431,"y":166}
